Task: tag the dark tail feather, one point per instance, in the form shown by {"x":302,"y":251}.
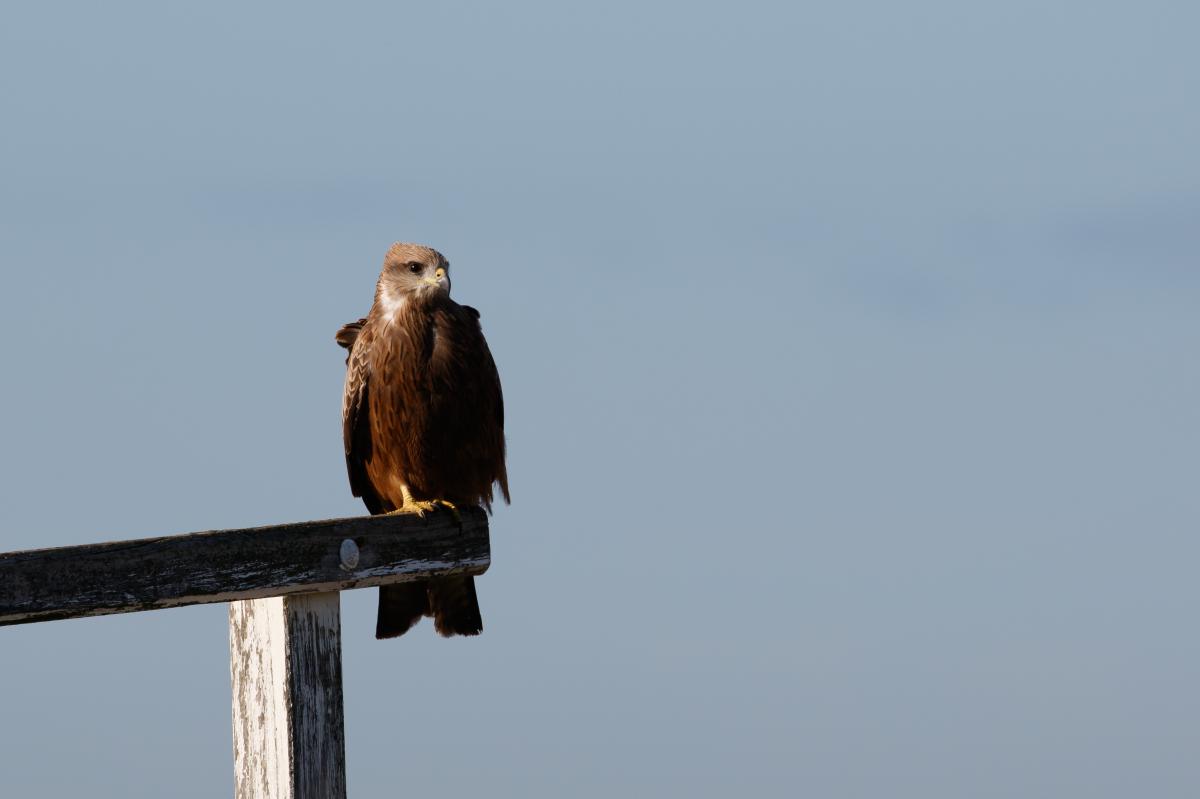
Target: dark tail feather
{"x":400,"y":607}
{"x":454,"y":606}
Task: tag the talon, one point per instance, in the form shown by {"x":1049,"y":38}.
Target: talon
{"x":450,"y":506}
{"x":417,"y":506}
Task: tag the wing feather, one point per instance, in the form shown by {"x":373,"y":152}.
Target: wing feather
{"x":358,"y":337}
{"x":348,"y":333}
{"x":483,"y":366}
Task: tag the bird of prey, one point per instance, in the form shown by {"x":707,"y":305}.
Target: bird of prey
{"x":422,"y":422}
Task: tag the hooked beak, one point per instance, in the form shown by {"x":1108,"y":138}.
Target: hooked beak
{"x":439,"y":279}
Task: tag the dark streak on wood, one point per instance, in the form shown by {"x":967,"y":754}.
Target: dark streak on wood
{"x":314,"y":652}
{"x":219,"y":566}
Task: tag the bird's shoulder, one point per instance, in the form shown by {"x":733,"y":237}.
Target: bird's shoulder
{"x":457,"y":314}
{"x":348,"y":333}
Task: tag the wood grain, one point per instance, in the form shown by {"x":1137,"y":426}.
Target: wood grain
{"x":286,"y":669}
{"x":226,"y":565}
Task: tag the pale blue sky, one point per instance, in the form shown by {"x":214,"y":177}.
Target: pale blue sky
{"x":849,"y":354}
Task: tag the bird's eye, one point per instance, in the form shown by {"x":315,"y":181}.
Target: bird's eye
{"x":415,"y":267}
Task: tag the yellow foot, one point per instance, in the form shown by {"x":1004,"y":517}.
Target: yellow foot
{"x":421,"y":507}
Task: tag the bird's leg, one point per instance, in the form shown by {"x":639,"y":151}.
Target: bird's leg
{"x":421,"y":506}
{"x":417,"y":506}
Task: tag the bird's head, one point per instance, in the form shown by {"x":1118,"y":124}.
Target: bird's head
{"x":411,"y":268}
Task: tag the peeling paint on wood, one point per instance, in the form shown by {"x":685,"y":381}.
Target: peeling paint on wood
{"x":286,"y":669}
{"x":226,"y":565}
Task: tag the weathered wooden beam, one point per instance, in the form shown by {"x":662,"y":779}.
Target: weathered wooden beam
{"x":285,"y":656}
{"x":225,"y":565}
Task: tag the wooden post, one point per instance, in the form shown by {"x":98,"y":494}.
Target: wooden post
{"x":286,"y":666}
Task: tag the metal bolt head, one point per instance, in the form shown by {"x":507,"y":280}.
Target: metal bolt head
{"x":349,"y":554}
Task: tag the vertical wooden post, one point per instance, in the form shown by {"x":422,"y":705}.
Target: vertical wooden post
{"x":286,"y":664}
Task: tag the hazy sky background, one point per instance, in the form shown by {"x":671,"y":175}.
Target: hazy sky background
{"x":849,"y":352}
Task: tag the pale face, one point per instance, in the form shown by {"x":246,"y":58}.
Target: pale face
{"x":409,"y":268}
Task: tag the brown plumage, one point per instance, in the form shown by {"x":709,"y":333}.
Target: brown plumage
{"x":422,"y":420}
